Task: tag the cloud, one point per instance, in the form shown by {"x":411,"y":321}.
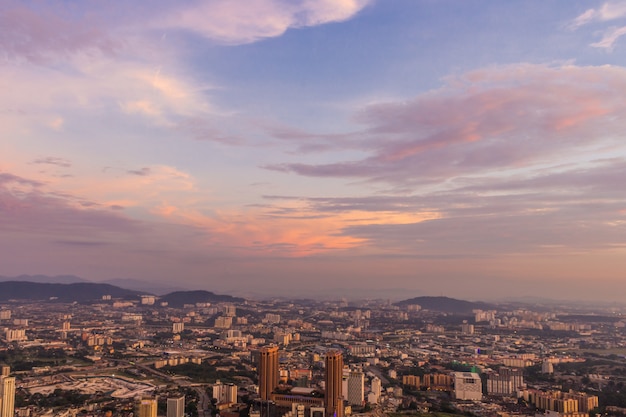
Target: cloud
{"x":7,"y":179}
{"x":238,"y":23}
{"x":51,"y":160}
{"x":607,"y":12}
{"x":609,"y":38}
{"x":49,"y":32}
{"x":29,"y":208}
{"x":141,"y":172}
{"x":579,"y":209}
{"x":483,"y":122}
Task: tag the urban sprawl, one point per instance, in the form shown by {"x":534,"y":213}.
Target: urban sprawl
{"x":145,"y":358}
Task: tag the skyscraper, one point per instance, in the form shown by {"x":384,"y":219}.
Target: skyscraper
{"x":268,"y":371}
{"x":356,"y":388}
{"x":7,"y":396}
{"x":147,"y":407}
{"x":333,"y":399}
{"x":225,"y":393}
{"x":176,"y":406}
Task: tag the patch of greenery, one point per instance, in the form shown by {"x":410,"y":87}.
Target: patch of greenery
{"x":208,"y":373}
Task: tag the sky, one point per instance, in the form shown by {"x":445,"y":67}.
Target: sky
{"x":317,"y":148}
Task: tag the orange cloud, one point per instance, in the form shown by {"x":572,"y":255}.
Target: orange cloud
{"x":303,"y":233}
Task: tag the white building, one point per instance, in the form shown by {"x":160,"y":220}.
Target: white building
{"x":467,"y":386}
{"x":356,"y":388}
{"x":178,"y":327}
{"x":377,"y":386}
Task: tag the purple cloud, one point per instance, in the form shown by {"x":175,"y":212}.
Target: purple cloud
{"x":484,"y":121}
{"x":37,"y":33}
{"x":51,"y":160}
{"x":140,"y":172}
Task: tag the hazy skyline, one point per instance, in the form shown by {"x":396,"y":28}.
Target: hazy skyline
{"x":420,"y":147}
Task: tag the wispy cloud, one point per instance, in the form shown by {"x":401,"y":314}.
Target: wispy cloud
{"x":51,"y":160}
{"x":141,"y":172}
{"x":578,"y":209}
{"x":609,"y":38}
{"x":608,"y":11}
{"x":50,"y":32}
{"x":239,"y":23}
{"x":485,"y":121}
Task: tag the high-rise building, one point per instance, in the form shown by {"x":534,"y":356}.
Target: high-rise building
{"x":377,"y":386}
{"x":147,"y":407}
{"x":333,"y":398}
{"x":268,"y":371}
{"x":7,"y":396}
{"x":5,"y":370}
{"x":376,"y":389}
{"x":356,"y":388}
{"x":225,"y":393}
{"x":230,"y":311}
{"x":506,"y":382}
{"x":178,"y":327}
{"x":467,"y":386}
{"x":176,"y":406}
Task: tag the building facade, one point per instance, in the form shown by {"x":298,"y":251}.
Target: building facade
{"x":268,"y":371}
{"x":467,"y":386}
{"x":147,"y":407}
{"x":356,"y":388}
{"x":176,"y":406}
{"x":7,"y":396}
{"x":333,"y":397}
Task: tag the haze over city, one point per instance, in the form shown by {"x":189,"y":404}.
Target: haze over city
{"x":369,"y":148}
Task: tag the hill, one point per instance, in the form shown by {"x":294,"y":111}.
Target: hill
{"x":446,"y":304}
{"x":180,"y":298}
{"x":58,"y":279}
{"x":81,"y":291}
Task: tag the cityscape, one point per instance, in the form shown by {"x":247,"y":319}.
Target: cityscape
{"x":313,"y":208}
{"x":145,"y":355}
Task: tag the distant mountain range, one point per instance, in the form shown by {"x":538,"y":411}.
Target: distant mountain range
{"x":80,"y":291}
{"x":128,"y":283}
{"x":57,"y":279}
{"x":89,"y":291}
{"x":180,"y":298}
{"x":447,"y":305}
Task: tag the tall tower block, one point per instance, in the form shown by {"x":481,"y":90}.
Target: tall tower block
{"x":147,"y":407}
{"x":176,"y":406}
{"x":7,"y":396}
{"x":333,"y":398}
{"x":268,"y":371}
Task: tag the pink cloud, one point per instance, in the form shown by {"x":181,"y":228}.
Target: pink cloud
{"x":38,"y":34}
{"x":489,"y":119}
{"x":239,"y":23}
{"x":28,"y":207}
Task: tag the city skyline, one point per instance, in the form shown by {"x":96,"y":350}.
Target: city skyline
{"x":315,"y":148}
